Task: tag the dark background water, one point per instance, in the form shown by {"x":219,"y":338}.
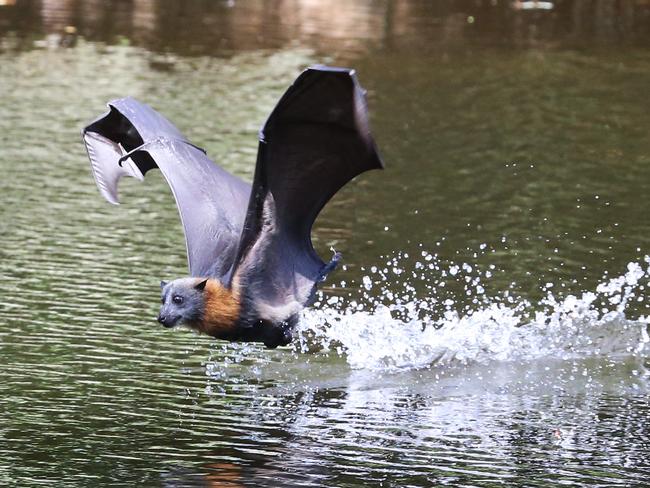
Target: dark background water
{"x":516,"y":141}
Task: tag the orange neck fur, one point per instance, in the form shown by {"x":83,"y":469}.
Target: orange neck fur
{"x":221,"y":312}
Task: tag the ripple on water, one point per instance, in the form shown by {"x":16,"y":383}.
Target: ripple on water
{"x":93,"y":391}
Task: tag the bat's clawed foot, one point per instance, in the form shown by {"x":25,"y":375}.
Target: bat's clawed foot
{"x":336,"y":256}
{"x":280,"y":334}
{"x":331,"y":266}
{"x":281,"y":337}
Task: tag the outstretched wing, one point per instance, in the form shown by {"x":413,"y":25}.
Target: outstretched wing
{"x":316,"y":140}
{"x":131,"y":139}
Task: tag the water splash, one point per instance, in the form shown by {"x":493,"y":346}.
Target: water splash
{"x":390,"y":331}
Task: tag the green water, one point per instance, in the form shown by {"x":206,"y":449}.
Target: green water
{"x":516,"y":142}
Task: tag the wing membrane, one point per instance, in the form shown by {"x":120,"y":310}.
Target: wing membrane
{"x":314,"y":142}
{"x":132,"y":139}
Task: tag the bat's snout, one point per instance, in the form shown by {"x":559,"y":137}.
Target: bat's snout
{"x":166,"y":320}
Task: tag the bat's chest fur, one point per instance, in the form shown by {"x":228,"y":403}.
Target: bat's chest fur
{"x":225,"y":316}
{"x":221,"y":312}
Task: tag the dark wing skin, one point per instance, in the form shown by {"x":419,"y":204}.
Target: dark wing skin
{"x":131,"y":139}
{"x":316,"y":140}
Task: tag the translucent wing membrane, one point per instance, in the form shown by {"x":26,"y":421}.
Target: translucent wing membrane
{"x":211,"y":202}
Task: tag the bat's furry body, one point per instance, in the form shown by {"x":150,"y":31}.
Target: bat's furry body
{"x":249,"y":247}
{"x":222,"y":310}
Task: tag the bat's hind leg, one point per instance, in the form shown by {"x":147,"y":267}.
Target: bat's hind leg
{"x":280,"y":334}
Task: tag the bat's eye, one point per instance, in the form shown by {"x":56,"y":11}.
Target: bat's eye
{"x":177,"y":299}
{"x":162,"y":300}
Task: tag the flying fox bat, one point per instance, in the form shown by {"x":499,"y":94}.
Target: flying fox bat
{"x":251,"y":259}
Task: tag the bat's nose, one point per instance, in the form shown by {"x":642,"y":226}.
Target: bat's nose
{"x":168,"y":321}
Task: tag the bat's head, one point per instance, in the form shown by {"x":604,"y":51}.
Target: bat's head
{"x":182,"y":301}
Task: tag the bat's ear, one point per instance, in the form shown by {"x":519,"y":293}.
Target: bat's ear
{"x":163,"y":284}
{"x":200,"y":285}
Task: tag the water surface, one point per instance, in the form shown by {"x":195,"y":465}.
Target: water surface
{"x":489,"y":326}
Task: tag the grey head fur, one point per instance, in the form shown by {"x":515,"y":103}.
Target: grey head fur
{"x":182,"y":301}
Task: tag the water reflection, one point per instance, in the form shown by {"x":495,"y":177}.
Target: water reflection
{"x":529,"y":164}
{"x":431,"y":428}
{"x":343,"y":29}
